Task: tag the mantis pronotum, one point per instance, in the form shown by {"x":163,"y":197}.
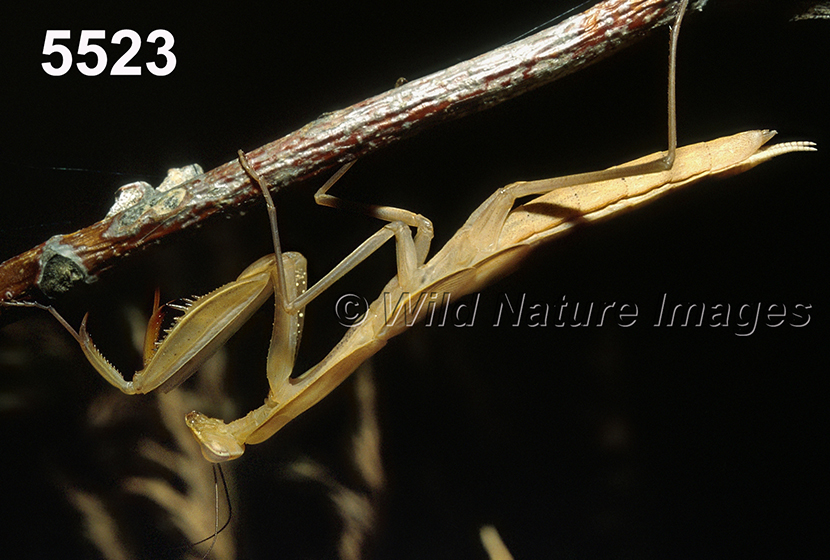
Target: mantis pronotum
{"x":492,"y":242}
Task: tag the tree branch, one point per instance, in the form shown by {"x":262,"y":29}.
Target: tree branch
{"x":144,"y":215}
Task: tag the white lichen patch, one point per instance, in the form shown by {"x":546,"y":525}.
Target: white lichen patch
{"x":179,"y":175}
{"x":130,"y":195}
{"x":140,"y":192}
{"x":140,"y":200}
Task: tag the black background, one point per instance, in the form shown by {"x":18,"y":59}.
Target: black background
{"x":574,"y":442}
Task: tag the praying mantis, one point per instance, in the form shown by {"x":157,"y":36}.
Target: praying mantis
{"x":493,"y":241}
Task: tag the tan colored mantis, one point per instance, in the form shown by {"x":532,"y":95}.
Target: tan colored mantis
{"x":493,"y":241}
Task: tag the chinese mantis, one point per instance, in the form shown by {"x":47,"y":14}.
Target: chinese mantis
{"x":492,"y":242}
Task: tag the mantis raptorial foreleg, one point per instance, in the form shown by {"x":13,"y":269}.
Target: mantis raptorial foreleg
{"x":209,"y":321}
{"x":206,"y":324}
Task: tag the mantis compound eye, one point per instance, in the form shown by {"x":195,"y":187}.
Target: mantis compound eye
{"x":218,"y":444}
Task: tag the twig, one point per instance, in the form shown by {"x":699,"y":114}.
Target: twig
{"x":149,"y":215}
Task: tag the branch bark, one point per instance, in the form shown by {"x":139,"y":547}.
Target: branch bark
{"x":146,"y":215}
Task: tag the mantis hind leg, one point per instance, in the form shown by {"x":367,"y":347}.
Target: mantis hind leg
{"x":485,"y":224}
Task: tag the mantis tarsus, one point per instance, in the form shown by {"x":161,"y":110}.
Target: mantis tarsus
{"x":492,"y":242}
